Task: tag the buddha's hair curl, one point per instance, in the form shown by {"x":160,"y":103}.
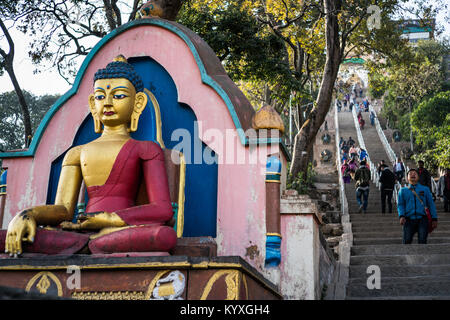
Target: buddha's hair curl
{"x":119,"y":69}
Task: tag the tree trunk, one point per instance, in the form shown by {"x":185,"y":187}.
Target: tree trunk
{"x":8,"y":59}
{"x":23,"y":104}
{"x":304,"y":139}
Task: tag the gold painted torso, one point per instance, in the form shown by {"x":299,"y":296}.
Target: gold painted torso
{"x":97,"y":159}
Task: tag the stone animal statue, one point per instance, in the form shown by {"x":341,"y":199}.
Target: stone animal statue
{"x":170,"y":287}
{"x":166,"y":9}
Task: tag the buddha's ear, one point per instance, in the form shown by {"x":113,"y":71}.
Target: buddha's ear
{"x":139,"y":105}
{"x":97,"y":123}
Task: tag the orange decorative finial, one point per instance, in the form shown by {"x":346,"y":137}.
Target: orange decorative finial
{"x":267,"y":118}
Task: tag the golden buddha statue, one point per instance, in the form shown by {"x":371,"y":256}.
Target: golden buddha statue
{"x":112,"y":168}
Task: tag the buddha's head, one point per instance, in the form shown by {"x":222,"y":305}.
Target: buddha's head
{"x":118,"y":98}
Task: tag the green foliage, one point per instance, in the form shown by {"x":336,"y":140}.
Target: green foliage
{"x":377,"y":85}
{"x":431,"y":127}
{"x":432,"y":112}
{"x":247,"y":51}
{"x":416,"y":76}
{"x":301,"y":182}
{"x":11,"y":124}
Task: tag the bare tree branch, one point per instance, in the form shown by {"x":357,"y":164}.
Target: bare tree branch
{"x":134,"y":11}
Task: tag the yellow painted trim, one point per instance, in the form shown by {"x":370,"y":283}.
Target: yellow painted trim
{"x":157,"y":118}
{"x":277,"y":173}
{"x":207,"y":264}
{"x":274,"y":234}
{"x":3,"y":193}
{"x":48,"y":274}
{"x":103,"y":266}
{"x":3,"y":185}
{"x":181,"y":196}
{"x":202,"y":265}
{"x":181,"y":193}
{"x":231,"y":280}
{"x":108,"y":295}
{"x":277,"y":181}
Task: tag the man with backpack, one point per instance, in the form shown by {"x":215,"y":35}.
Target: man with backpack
{"x":387,"y":181}
{"x":362,"y":178}
{"x":413,"y":203}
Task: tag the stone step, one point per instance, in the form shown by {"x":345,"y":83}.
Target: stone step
{"x":403,"y":271}
{"x":371,"y":203}
{"x":374,"y":197}
{"x":399,"y":280}
{"x":397,"y":240}
{"x":369,"y":211}
{"x":368,"y":227}
{"x":401,"y":260}
{"x":386,"y":223}
{"x":393,"y":234}
{"x":400,"y":249}
{"x":411,"y":287}
{"x":387,"y":217}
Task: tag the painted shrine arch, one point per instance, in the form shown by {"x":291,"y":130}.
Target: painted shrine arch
{"x":170,"y":58}
{"x":200,"y":78}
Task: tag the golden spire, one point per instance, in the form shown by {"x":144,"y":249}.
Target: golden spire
{"x":120,"y":58}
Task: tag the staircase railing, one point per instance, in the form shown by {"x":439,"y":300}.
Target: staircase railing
{"x":344,"y":249}
{"x":388,"y":149}
{"x":373,"y":170}
{"x":343,"y":197}
{"x":387,"y":146}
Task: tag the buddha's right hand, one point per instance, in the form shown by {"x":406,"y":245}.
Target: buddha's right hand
{"x":21,"y":228}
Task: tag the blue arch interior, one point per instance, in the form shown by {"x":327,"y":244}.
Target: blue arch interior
{"x":200,"y":214}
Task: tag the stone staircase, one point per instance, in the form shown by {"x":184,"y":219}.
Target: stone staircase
{"x":410,"y":272}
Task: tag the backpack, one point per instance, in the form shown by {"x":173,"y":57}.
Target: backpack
{"x":364,"y":178}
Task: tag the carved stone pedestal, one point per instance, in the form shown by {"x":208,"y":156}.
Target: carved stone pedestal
{"x":92,"y":277}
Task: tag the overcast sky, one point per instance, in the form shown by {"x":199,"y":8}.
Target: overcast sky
{"x":50,"y":82}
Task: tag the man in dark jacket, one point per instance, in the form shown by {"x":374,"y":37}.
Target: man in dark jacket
{"x":387,"y":180}
{"x":424,"y":175}
{"x":362,"y":178}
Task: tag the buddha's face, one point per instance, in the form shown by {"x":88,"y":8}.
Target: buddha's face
{"x":115,"y":102}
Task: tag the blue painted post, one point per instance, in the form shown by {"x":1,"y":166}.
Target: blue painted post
{"x":2,"y":195}
{"x":273,"y":223}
